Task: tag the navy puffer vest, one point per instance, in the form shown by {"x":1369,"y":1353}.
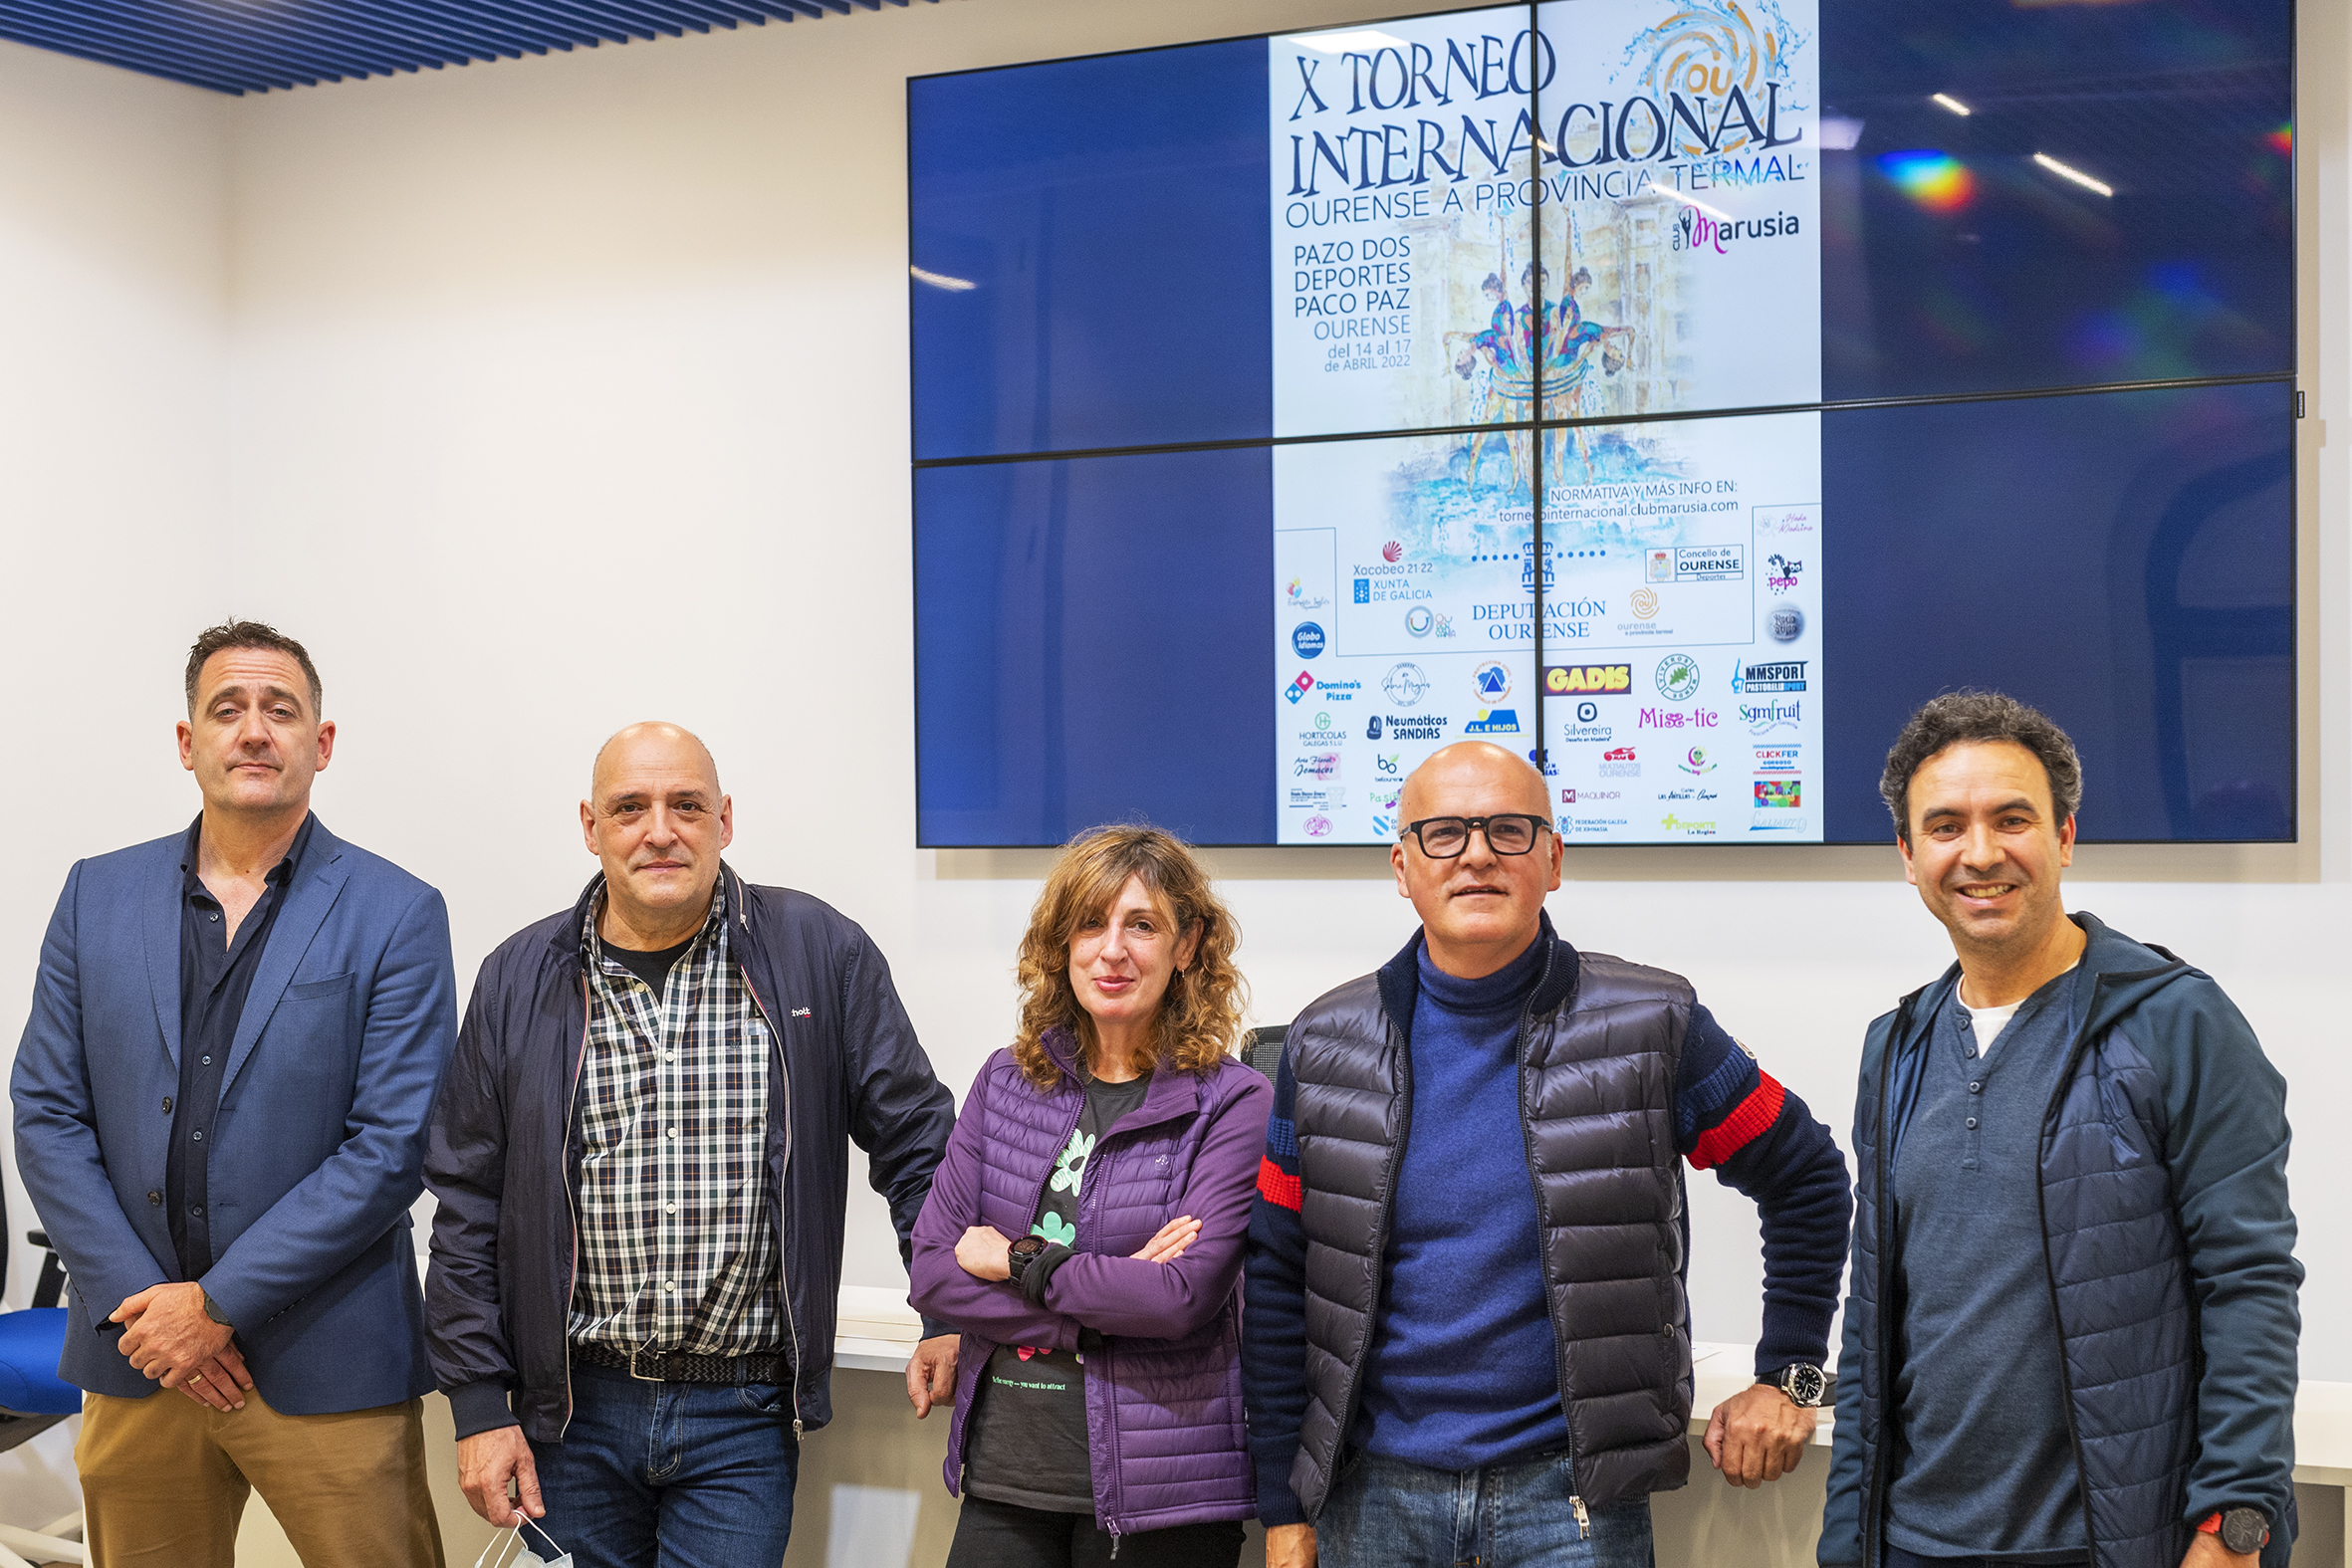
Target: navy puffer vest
{"x":1598,"y":1050}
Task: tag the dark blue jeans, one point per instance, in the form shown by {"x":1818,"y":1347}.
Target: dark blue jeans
{"x":1384,"y":1513}
{"x":670,"y":1475}
{"x":1893,"y":1556}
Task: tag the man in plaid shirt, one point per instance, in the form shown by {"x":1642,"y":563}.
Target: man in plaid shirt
{"x":640,"y":1156}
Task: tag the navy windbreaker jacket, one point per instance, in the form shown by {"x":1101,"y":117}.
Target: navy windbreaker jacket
{"x":2171,"y":1254}
{"x":503,"y":1157}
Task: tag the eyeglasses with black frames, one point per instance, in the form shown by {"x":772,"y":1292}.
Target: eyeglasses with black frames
{"x":1446,"y":838}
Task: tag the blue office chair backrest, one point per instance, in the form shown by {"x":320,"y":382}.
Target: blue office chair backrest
{"x":32,"y":1396}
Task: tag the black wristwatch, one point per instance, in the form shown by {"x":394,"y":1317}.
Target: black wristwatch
{"x":1803,"y":1383}
{"x":1022,"y":1254}
{"x":2246,"y":1529}
{"x":212,"y":1310}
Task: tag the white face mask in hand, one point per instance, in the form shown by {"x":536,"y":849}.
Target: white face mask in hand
{"x":526,"y":1557}
{"x":561,"y":1559}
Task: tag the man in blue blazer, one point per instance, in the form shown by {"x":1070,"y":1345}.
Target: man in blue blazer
{"x":221,"y":1100}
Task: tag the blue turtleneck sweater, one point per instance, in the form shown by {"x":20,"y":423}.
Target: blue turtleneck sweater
{"x":1462,"y":1371}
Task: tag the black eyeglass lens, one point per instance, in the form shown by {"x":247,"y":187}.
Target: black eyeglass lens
{"x":1511,"y":835}
{"x":1445,"y":836}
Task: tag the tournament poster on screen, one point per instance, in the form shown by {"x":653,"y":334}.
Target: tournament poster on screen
{"x":1611,"y":216}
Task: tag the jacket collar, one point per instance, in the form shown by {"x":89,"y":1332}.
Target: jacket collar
{"x":2120,"y":974}
{"x":565,"y":938}
{"x":1555,"y":982}
{"x":1172,"y":1095}
{"x":308,"y":893}
{"x":2117,"y":975}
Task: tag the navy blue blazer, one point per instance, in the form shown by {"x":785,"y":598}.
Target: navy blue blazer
{"x":319,"y":1149}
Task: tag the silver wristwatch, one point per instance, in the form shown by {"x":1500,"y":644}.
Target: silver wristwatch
{"x":1803,"y":1383}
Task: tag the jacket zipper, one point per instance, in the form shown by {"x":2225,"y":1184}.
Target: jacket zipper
{"x":571,"y":1201}
{"x":2049,"y":1272}
{"x":1396,"y":1159}
{"x":1112,"y":1426}
{"x":1098,"y":1376}
{"x":1886,"y":1137}
{"x":1559,"y":1355}
{"x":784,"y":1281}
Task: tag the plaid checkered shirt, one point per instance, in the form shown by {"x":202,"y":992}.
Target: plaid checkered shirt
{"x":677,"y":1249}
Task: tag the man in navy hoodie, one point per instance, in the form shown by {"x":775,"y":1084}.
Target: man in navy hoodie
{"x":2072,"y":1334}
{"x":1467,"y":1335}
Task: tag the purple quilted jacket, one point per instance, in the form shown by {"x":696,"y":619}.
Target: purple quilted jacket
{"x":1164,"y":1420}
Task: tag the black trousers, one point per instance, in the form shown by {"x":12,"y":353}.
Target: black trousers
{"x":1006,"y":1535}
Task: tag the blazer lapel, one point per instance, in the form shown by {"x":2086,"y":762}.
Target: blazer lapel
{"x":308,"y":899}
{"x":159,"y":917}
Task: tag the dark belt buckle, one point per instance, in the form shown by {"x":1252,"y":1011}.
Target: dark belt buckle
{"x":644,"y":1377}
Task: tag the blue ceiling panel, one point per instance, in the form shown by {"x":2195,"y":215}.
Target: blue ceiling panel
{"x":232,"y":46}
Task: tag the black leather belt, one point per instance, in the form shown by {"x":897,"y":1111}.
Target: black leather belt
{"x":677,"y":1366}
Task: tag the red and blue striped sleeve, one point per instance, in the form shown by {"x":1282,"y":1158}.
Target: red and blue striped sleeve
{"x":1736,"y":1120}
{"x":1273,"y":1349}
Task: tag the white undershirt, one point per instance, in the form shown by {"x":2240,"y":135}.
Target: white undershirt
{"x":1986,"y":1023}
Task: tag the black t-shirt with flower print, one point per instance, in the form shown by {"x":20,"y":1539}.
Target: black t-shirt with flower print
{"x":1029,"y":1424}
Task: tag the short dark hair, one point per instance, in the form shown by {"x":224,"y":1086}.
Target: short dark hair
{"x":1973,"y":717}
{"x":251,"y":634}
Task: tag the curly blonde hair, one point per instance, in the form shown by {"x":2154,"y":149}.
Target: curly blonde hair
{"x":1200,"y":1017}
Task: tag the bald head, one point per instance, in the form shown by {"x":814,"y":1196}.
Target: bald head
{"x":651,"y":742}
{"x":656,"y":820}
{"x":1467,"y":771}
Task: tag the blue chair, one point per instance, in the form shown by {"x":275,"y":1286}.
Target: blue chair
{"x":33,"y":1399}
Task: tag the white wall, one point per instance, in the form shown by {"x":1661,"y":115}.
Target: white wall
{"x":546,"y":395}
{"x":113,"y":367}
{"x":573,"y":390}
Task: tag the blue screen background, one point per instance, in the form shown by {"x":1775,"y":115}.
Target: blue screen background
{"x":1094,"y":633}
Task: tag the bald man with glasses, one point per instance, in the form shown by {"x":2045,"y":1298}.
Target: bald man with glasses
{"x":1475,"y":1159}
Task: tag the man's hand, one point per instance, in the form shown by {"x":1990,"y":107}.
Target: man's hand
{"x":168,"y":1339}
{"x":220,"y":1382}
{"x":1290,"y":1546}
{"x":2206,"y":1551}
{"x":1757,"y":1435}
{"x":931,"y":1373}
{"x":984,"y":1253}
{"x":486,"y":1462}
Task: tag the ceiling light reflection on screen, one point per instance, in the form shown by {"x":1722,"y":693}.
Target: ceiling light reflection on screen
{"x":2064,"y":171}
{"x":940,"y":280}
{"x":1938,"y":182}
{"x":1839,"y":133}
{"x":1363,"y":42}
{"x":1692,"y":201}
{"x":1950,"y":102}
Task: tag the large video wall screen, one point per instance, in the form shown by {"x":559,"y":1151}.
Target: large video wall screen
{"x":1674,"y":394}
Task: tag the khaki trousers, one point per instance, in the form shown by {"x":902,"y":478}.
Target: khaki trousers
{"x":164,"y":1481}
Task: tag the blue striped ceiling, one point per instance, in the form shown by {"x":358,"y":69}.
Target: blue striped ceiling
{"x":251,"y":46}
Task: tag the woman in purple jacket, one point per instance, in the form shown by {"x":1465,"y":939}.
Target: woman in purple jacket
{"x":1098,"y":1392}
